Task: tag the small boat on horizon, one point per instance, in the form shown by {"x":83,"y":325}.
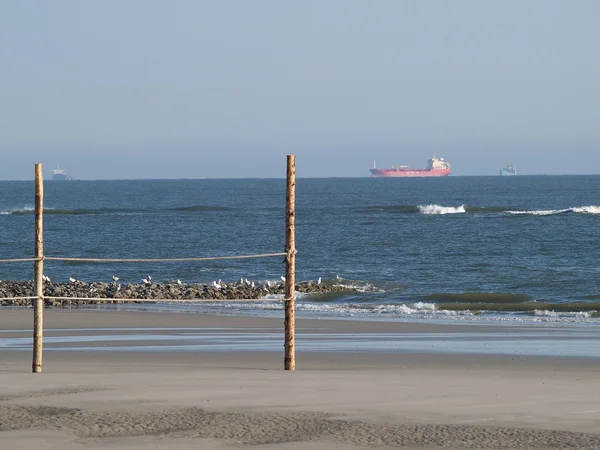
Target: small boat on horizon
{"x":509,"y":170}
{"x":60,"y":174}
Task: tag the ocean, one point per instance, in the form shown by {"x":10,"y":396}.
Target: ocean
{"x":496,"y":248}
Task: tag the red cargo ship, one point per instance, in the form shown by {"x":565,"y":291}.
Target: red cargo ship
{"x":435,"y":168}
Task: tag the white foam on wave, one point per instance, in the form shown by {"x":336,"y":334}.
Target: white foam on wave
{"x":359,"y":287}
{"x":437,"y":209}
{"x":549,"y":212}
{"x":425,"y":306}
{"x":587,"y":209}
{"x":280,"y":297}
{"x":275,"y":303}
{"x":24,"y":209}
{"x":540,"y":212}
{"x":415,"y":310}
{"x":412,"y":311}
{"x":561,"y":314}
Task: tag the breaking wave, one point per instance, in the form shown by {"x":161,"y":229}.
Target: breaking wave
{"x":435,"y":209}
{"x":438,"y":209}
{"x":561,"y":314}
{"x":498,"y":302}
{"x":410,"y":310}
{"x":550,"y":212}
{"x":587,"y":209}
{"x":23,"y":210}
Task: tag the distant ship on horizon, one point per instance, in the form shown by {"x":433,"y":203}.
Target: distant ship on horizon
{"x":509,"y":170}
{"x":60,"y":174}
{"x":436,"y":167}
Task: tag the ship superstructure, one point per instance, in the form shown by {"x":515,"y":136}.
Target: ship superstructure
{"x":60,"y":174}
{"x":436,"y":167}
{"x":509,"y":170}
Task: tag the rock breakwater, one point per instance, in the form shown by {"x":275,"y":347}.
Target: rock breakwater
{"x":80,"y":292}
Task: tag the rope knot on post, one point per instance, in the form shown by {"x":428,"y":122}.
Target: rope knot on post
{"x":289,"y":255}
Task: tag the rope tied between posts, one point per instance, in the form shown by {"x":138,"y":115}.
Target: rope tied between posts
{"x":127,"y":260}
{"x":38,"y":298}
{"x":21,"y":260}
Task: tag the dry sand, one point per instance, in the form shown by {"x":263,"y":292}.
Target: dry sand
{"x":197,"y":399}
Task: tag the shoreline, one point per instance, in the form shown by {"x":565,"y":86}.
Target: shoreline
{"x":228,"y":399}
{"x":349,"y":299}
{"x":167,"y":331}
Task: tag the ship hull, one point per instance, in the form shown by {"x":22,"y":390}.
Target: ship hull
{"x":409,"y":172}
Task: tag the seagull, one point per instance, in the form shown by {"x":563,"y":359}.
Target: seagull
{"x":147,"y":280}
{"x":319,"y":280}
{"x":72,"y":280}
{"x":216,"y":285}
{"x":252,"y":285}
{"x":338,"y":277}
{"x":269,"y":283}
{"x":45,"y":278}
{"x":178,"y":281}
{"x":247,"y":282}
{"x":282,"y":278}
{"x":118,"y":287}
{"x":115,"y":279}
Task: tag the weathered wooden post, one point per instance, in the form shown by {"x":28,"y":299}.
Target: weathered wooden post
{"x":38,"y":272}
{"x":290,"y":266}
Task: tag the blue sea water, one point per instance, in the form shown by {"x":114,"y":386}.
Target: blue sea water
{"x":506,"y":248}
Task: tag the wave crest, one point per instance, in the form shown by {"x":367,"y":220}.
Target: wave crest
{"x":591,"y":209}
{"x":587,"y":209}
{"x":437,"y":209}
{"x":23,"y":210}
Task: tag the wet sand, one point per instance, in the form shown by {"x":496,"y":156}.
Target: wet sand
{"x":142,"y":393}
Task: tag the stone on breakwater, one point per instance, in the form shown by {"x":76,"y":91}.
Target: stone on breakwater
{"x":99,"y":293}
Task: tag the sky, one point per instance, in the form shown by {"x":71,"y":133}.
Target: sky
{"x":111,"y":89}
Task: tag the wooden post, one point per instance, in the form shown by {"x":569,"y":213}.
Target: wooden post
{"x":290,"y":266}
{"x":38,"y":272}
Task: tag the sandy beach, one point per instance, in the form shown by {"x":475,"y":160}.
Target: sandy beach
{"x":138,"y":380}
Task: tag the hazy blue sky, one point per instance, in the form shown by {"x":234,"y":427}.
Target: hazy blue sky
{"x":223,"y":88}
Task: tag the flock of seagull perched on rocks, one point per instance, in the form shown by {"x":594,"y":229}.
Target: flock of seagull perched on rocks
{"x":215,"y":284}
{"x":76,"y":291}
